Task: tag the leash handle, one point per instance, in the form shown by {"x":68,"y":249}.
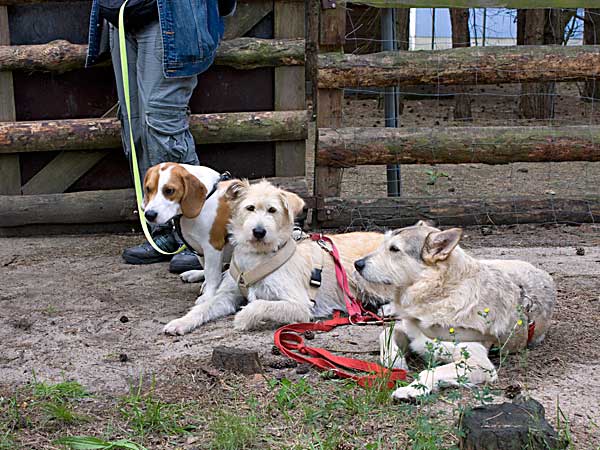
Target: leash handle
{"x":134,"y":162}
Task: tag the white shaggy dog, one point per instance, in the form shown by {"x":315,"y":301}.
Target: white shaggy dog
{"x":454,"y":307}
{"x":261,"y":226}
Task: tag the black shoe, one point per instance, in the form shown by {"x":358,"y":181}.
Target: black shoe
{"x":184,"y":261}
{"x":145,"y":253}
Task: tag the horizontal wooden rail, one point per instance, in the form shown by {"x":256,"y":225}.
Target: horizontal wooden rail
{"x":240,"y":53}
{"x":92,"y":134}
{"x":90,"y":206}
{"x":348,"y":147}
{"x":29,"y":2}
{"x":529,"y":4}
{"x":471,"y":65}
{"x":400,"y":212}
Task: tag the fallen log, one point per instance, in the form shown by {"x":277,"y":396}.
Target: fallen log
{"x":348,"y":147}
{"x":89,"y":207}
{"x":472,"y":65}
{"x":91,"y":134}
{"x":399,"y":212}
{"x":241,"y":53}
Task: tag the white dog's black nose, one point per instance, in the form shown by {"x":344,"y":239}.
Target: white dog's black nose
{"x":150,"y":215}
{"x":259,"y":232}
{"x":359,"y":264}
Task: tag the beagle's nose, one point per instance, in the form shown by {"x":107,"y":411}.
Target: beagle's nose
{"x":259,"y":232}
{"x":359,"y":264}
{"x":150,"y":215}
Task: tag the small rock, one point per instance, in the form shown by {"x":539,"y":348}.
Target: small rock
{"x":124,"y":319}
{"x":580,"y":251}
{"x":550,"y":192}
{"x":451,"y":189}
{"x":486,"y":231}
{"x":123,"y":357}
{"x":309,"y":335}
{"x":512,"y":391}
{"x":303,"y":369}
{"x":523,"y":170}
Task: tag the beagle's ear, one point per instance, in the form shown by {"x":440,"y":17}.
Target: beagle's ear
{"x":194,"y":196}
{"x":293,"y":204}
{"x":150,"y":184}
{"x":236,"y":189}
{"x":439,"y":244}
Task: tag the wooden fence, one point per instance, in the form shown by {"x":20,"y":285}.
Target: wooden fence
{"x":338,"y":147}
{"x":82,"y":142}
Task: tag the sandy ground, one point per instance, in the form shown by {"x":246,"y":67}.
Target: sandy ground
{"x":70,"y":308}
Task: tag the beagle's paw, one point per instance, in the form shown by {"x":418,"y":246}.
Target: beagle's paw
{"x":192,"y":276}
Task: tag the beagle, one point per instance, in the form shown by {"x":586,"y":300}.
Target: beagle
{"x":195,"y":195}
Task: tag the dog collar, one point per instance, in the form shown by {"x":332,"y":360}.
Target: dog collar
{"x":250,"y":277}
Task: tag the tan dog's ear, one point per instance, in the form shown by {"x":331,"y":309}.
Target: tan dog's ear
{"x":439,"y":244}
{"x":194,"y":196}
{"x":292,"y":203}
{"x":236,"y":189}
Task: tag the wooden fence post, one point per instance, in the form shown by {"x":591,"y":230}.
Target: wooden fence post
{"x":461,"y":37}
{"x":330,"y":101}
{"x":290,"y":92}
{"x":591,"y":36}
{"x":10,"y":169}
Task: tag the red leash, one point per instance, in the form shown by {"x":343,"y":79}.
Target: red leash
{"x":290,"y":342}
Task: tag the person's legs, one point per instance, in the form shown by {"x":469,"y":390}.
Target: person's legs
{"x":145,"y":253}
{"x":164,"y":123}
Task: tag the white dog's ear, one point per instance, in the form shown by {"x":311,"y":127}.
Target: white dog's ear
{"x":292,"y":203}
{"x":424,"y":223}
{"x":236,"y":188}
{"x":439,"y":244}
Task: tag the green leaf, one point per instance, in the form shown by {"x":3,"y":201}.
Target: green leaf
{"x":84,"y":443}
{"x":92,"y":443}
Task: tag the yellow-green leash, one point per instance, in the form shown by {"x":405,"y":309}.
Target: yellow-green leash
{"x":134,"y":162}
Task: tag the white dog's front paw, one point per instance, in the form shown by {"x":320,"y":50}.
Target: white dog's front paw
{"x":408,"y":393}
{"x":192,"y":276}
{"x":180,"y":326}
{"x":245,"y":320}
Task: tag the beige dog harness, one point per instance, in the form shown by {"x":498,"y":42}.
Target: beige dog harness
{"x":246,"y":279}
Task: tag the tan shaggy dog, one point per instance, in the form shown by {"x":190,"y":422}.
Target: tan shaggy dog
{"x":261,"y":226}
{"x":454,"y":307}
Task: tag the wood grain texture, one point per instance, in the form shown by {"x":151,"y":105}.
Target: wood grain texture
{"x":94,"y":134}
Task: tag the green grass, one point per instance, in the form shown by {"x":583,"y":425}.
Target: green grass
{"x":92,"y":443}
{"x":146,"y":414}
{"x":232,"y":431}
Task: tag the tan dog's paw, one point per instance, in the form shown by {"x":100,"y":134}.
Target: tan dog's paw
{"x":192,"y":276}
{"x":180,"y":326}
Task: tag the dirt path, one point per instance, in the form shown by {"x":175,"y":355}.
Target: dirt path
{"x":70,"y":309}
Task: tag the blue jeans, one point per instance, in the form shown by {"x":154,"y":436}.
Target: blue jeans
{"x":159,"y":105}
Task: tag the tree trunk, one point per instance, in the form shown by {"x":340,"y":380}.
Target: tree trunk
{"x":591,"y":36}
{"x":536,"y":100}
{"x":535,"y":27}
{"x":348,"y":147}
{"x":241,"y":53}
{"x":88,"y":134}
{"x":457,"y":66}
{"x":461,"y":37}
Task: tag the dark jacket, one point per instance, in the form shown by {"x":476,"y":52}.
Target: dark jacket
{"x":191,"y":31}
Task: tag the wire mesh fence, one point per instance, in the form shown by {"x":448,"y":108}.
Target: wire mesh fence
{"x":428,"y":110}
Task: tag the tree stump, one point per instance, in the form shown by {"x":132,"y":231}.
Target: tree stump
{"x":236,"y":360}
{"x":508,"y":426}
